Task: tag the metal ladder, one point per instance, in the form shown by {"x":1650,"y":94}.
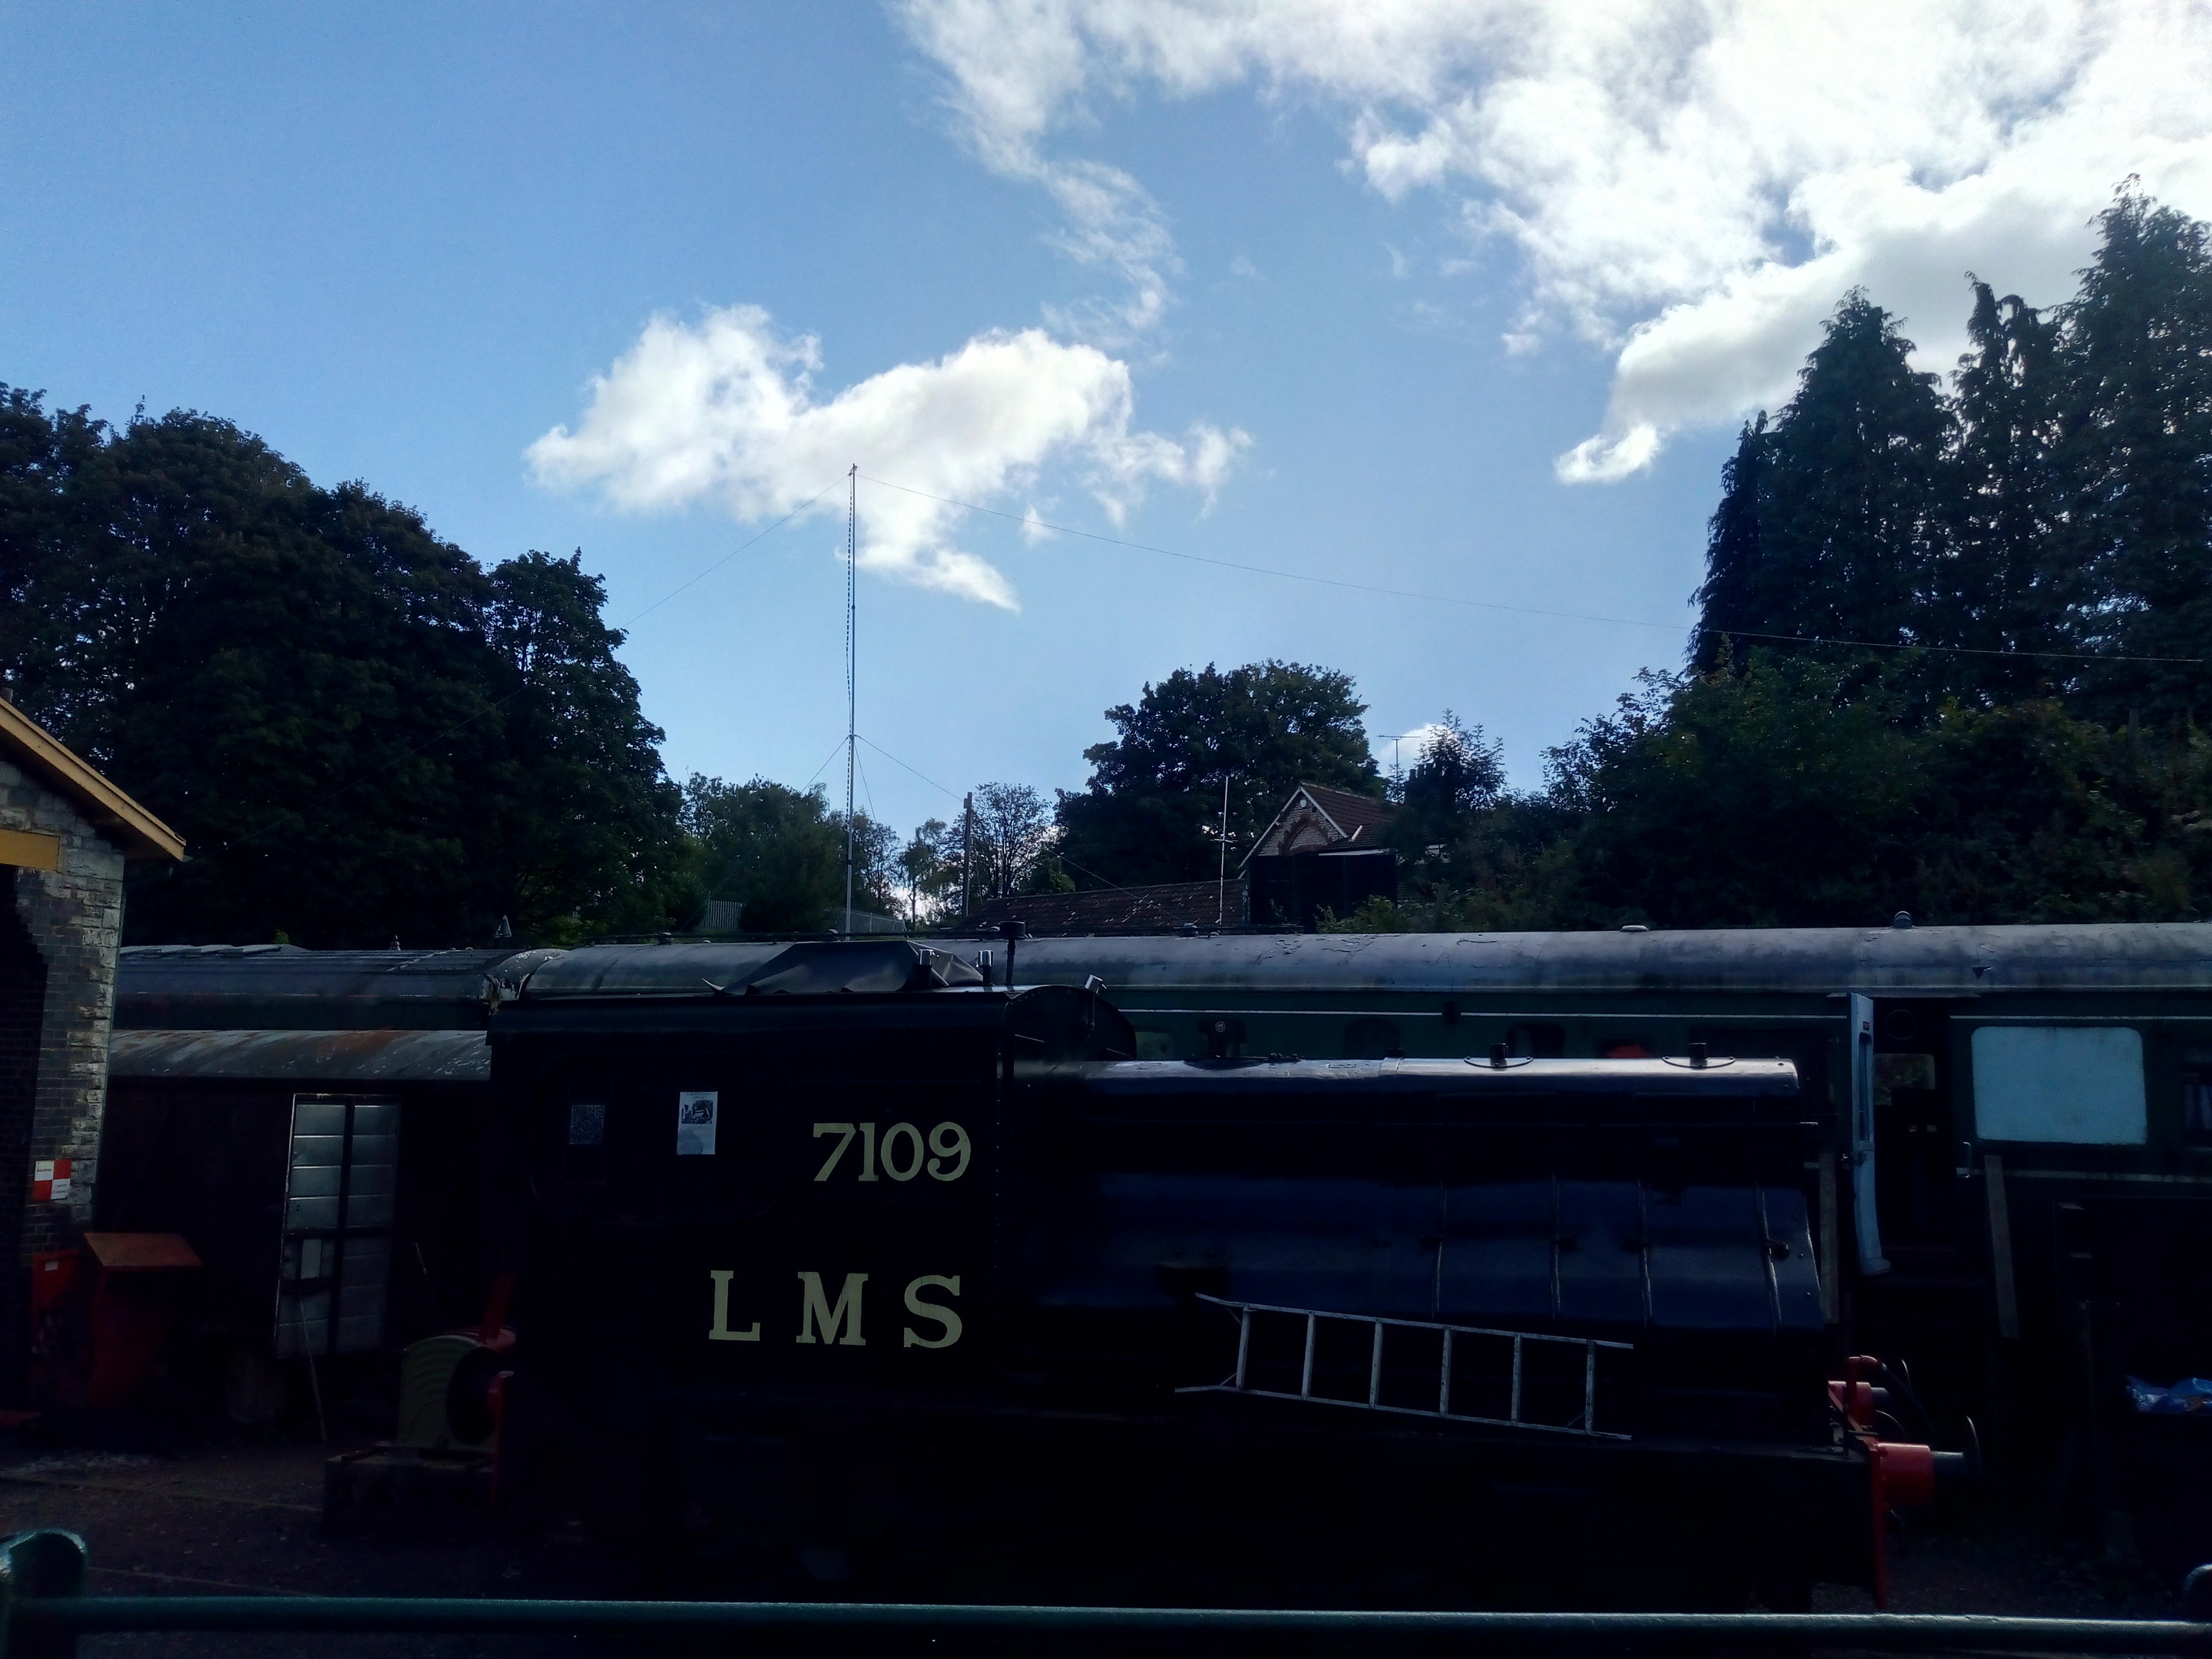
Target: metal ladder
{"x":1584,"y":1424}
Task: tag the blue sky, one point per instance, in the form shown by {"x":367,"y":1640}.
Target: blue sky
{"x":1457,"y":296}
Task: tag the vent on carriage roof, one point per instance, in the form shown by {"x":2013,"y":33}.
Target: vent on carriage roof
{"x":866,"y":969}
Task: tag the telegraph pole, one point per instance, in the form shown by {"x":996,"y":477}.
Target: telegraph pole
{"x":852,"y":670}
{"x":967,"y":840}
{"x":1221,"y":886}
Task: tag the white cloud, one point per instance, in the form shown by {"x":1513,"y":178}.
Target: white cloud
{"x":1112,"y":220}
{"x":1111,"y":224}
{"x":1403,"y":750}
{"x":725,"y":411}
{"x":1692,"y":184}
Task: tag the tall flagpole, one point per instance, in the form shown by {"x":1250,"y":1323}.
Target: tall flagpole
{"x":852,"y":670}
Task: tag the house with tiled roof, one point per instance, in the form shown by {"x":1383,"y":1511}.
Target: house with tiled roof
{"x":1316,"y":819}
{"x":1321,"y":855}
{"x":1320,"y":852}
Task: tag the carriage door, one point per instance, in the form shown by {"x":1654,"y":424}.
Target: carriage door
{"x":1917,"y":1186}
{"x":336,"y":1262}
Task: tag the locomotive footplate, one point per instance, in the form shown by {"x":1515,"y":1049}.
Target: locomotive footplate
{"x":937,"y":1497}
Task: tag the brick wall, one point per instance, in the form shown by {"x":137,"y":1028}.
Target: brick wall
{"x":57,"y":938}
{"x":22,"y":1020}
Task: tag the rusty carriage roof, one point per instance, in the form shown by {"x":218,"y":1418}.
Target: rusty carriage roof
{"x":2152,"y":957}
{"x":2138,"y":956}
{"x":462,"y":1057}
{"x":2113,"y":956}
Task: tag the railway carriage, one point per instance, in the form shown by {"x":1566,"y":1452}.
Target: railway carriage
{"x":2008,"y":1177}
{"x":314,"y":1122}
{"x":2016,"y":1167}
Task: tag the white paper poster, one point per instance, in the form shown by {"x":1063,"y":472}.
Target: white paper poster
{"x":695,"y":1111}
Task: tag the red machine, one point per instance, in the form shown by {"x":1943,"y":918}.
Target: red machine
{"x":100,"y":1315}
{"x":1903,"y":1474}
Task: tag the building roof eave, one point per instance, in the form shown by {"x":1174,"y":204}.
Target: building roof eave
{"x":1300,"y":793}
{"x":140,"y":833}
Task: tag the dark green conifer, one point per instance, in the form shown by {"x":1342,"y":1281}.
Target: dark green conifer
{"x":2135,"y":461}
{"x":2001,"y":588}
{"x":1832,"y":522}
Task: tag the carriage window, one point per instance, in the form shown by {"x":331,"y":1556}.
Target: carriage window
{"x":1542,"y":1041}
{"x":2083,"y":1086}
{"x":2196,"y":1096}
{"x":1372,"y":1039}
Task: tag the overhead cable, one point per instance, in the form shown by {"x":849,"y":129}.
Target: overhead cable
{"x":1034,"y":522}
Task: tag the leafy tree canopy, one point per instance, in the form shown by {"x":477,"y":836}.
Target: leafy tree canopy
{"x":1155,"y":795}
{"x":1013,"y":830}
{"x":581,"y":813}
{"x":780,"y":852}
{"x":361,"y":734}
{"x":1460,"y":773}
{"x":1781,"y":793}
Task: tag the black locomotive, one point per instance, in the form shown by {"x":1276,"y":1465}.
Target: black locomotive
{"x":850,"y":1266}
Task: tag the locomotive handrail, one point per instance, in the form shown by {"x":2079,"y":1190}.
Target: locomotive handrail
{"x":43,"y":1609}
{"x":1883,"y":1633}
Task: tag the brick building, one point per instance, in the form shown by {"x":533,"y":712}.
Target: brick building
{"x":1322,"y":854}
{"x":65,"y":834}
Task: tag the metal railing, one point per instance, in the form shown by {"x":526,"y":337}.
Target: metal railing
{"x":43,"y":1610}
{"x":1240,"y":1382}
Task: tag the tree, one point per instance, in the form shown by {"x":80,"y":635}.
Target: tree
{"x":1734,"y":595}
{"x":780,"y":852}
{"x":1771,"y":795}
{"x":359,"y":734}
{"x":1047,"y":875}
{"x":1012,"y":830}
{"x":1460,"y":773}
{"x":1473,"y":854}
{"x":582,"y":818}
{"x":1831,"y":524}
{"x":929,"y":868}
{"x":2134,"y":458}
{"x":874,"y":854}
{"x":2003,"y":590}
{"x":41,"y":455}
{"x":297,"y":680}
{"x":1155,"y":792}
{"x":1789,"y":793}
